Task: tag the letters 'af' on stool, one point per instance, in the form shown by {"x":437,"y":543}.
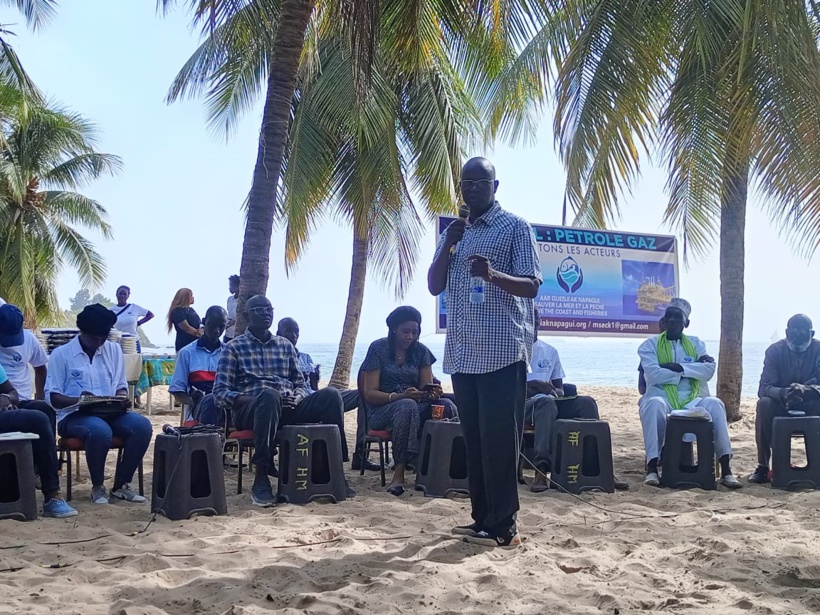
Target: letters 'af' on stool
{"x":310,"y":464}
{"x":17,"y":497}
{"x":582,"y":456}
{"x":188,"y":476}
{"x":443,"y":460}
{"x":679,"y":471}
{"x":784,"y":475}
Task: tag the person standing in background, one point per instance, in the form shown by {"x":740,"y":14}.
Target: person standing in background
{"x":491,"y":272}
{"x":233,"y":287}
{"x":184,"y":319}
{"x":130,"y":316}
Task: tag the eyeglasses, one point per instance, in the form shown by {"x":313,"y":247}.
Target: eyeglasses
{"x":475,"y":183}
{"x":260,"y":311}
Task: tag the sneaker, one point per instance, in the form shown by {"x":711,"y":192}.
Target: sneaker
{"x":731,"y":482}
{"x":511,"y":540}
{"x":98,"y":495}
{"x":129,"y":495}
{"x":262,"y":494}
{"x":760,"y":476}
{"x":652,"y":480}
{"x":59,"y":509}
{"x":467,"y":530}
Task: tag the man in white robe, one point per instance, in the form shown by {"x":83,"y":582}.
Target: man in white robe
{"x":673,"y":359}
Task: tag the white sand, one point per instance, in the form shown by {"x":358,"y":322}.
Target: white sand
{"x":753,"y":551}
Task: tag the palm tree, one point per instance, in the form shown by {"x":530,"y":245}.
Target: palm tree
{"x":726,"y":93}
{"x":378,"y":108}
{"x":37,"y":14}
{"x":47,"y":154}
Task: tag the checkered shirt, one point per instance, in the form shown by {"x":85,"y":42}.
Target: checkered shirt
{"x":249,"y":366}
{"x":486,"y":337}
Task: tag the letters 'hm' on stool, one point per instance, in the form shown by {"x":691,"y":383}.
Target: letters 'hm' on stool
{"x":582,"y":456}
{"x":678,"y":470}
{"x":443,"y":460}
{"x":17,"y":492}
{"x":784,"y":475}
{"x":310,"y":464}
{"x":188,"y":476}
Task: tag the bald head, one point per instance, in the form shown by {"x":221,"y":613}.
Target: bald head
{"x":216,"y":319}
{"x":799,"y":333}
{"x":289,"y":329}
{"x":478,"y":185}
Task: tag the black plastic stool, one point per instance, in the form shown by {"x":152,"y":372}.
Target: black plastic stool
{"x":17,"y":491}
{"x":784,"y":476}
{"x":443,"y":460}
{"x":188,"y":476}
{"x":310,"y":464}
{"x":582,"y":456}
{"x":678,"y":474}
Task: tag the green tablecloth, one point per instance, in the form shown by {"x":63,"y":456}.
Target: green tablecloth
{"x":156,"y":370}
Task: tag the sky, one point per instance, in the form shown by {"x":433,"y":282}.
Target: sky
{"x":176,"y":206}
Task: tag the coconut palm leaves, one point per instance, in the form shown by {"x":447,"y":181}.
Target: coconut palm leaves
{"x":37,"y":13}
{"x":48,"y":155}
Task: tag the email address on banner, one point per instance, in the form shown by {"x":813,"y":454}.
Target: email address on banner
{"x":598,"y":326}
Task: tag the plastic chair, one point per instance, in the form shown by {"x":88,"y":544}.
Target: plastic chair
{"x":310,"y":464}
{"x":17,"y":492}
{"x":784,"y":475}
{"x":372,"y":436}
{"x":678,"y":470}
{"x":66,"y":446}
{"x":443,"y":460}
{"x":582,"y":456}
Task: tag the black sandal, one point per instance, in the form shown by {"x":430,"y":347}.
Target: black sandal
{"x":396,"y":490}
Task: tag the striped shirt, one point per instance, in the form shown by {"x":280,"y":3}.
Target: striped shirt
{"x":249,"y":366}
{"x":486,"y":337}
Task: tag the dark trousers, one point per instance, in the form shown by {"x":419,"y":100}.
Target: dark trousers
{"x":767,"y":410}
{"x":264,"y":414}
{"x":542,"y":411}
{"x":488,"y":405}
{"x":44,"y":449}
{"x":97,"y":432}
{"x":41,"y":406}
{"x":207,"y":412}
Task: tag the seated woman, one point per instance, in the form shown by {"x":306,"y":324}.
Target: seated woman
{"x":91,"y":365}
{"x":399,"y":388}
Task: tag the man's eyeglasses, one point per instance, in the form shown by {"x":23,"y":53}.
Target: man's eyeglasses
{"x":467,"y":184}
{"x":261,"y":311}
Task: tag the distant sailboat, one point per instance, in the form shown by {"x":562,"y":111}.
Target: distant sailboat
{"x":775,"y":337}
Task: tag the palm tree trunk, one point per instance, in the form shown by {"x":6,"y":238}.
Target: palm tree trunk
{"x":355,"y":298}
{"x":284,"y":64}
{"x":732,"y":269}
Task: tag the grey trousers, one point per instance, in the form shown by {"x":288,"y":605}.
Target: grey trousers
{"x":542,"y":411}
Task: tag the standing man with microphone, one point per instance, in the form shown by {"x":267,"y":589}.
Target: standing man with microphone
{"x":489,"y":266}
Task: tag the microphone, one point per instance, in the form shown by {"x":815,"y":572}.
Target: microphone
{"x":170,"y":430}
{"x":463,"y":214}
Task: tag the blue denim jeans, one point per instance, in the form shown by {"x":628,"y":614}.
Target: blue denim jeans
{"x":96,"y":432}
{"x":44,"y":450}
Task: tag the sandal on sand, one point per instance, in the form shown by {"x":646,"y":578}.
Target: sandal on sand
{"x":396,"y":490}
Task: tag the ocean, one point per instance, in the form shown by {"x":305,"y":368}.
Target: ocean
{"x":586,"y":361}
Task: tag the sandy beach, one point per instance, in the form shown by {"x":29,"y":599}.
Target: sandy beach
{"x":651,"y":550}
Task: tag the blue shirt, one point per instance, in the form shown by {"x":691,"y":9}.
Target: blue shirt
{"x":3,"y":376}
{"x":486,"y":337}
{"x":195,"y":366}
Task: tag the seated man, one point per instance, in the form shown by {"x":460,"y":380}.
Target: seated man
{"x":676,"y":368}
{"x":544,"y":385}
{"x":260,"y":382}
{"x":195,"y":370}
{"x":289,"y":329}
{"x":791,"y":373}
{"x":19,"y":350}
{"x":43,"y":449}
{"x":91,"y":365}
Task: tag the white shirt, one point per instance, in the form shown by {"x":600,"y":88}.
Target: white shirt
{"x":128,"y":319}
{"x":70,"y":372}
{"x":16,"y":359}
{"x":231,"y":331}
{"x":545,"y":363}
{"x":656,"y":377}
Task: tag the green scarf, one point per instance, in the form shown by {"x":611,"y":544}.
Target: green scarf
{"x":667,"y":355}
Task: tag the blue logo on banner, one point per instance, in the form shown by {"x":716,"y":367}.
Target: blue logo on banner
{"x":569,"y":275}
